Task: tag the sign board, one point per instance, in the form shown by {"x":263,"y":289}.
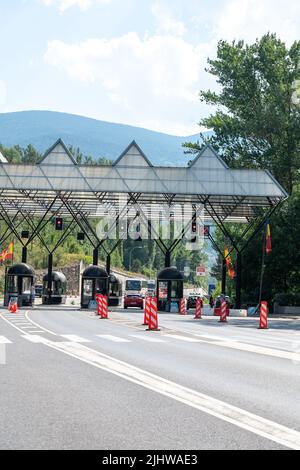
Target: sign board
{"x":200,"y":271}
{"x":186,"y":271}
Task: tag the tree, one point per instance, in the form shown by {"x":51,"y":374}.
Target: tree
{"x":257,"y":122}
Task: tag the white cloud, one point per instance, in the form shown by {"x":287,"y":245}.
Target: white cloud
{"x":154,"y":81}
{"x":250,"y":19}
{"x":165,"y":20}
{"x":64,"y":5}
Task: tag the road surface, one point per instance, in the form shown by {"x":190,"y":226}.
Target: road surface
{"x":70,"y":380}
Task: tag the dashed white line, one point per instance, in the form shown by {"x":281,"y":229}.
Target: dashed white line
{"x":115,"y":339}
{"x":76,"y":339}
{"x":183,"y":338}
{"x":151,"y":339}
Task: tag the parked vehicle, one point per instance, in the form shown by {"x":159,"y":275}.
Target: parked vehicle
{"x":133,"y":300}
{"x":191,"y":301}
{"x":38,"y":290}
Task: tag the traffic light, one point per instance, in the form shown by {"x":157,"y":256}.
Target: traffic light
{"x":58,"y":223}
{"x":25,"y":234}
{"x":194,"y":227}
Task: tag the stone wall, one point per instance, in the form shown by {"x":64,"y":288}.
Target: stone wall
{"x":72,"y":274}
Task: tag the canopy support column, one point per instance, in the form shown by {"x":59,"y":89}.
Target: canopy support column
{"x":168,"y":259}
{"x":108,"y":264}
{"x":24,"y":254}
{"x":95,"y":256}
{"x":49,"y":282}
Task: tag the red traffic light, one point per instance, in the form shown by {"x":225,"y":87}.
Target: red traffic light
{"x":58,"y":223}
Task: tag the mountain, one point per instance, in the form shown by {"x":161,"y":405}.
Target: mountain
{"x":93,"y":137}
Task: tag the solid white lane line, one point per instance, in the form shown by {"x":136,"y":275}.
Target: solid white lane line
{"x":249,"y":421}
{"x":4,"y":340}
{"x":183,"y":338}
{"x":76,"y":339}
{"x":115,"y":339}
{"x":151,"y":339}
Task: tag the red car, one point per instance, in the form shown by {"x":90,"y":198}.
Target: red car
{"x":133,"y":300}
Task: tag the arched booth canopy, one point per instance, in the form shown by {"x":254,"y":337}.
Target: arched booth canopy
{"x":115,"y":291}
{"x":19,"y":282}
{"x":58,"y":288}
{"x":169,"y":288}
{"x":94,"y":281}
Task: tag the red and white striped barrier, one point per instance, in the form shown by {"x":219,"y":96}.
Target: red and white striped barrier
{"x":223,"y":312}
{"x":182,"y":309}
{"x":153,"y":315}
{"x":147,"y":310}
{"x":263,"y":315}
{"x":102,"y":304}
{"x":199,"y":305}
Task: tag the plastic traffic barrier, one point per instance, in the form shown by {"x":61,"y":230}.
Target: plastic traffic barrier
{"x":147,"y":310}
{"x":199,"y":305}
{"x":223,"y":312}
{"x":153,"y":315}
{"x":102,"y":305}
{"x":182,"y":309}
{"x":263,"y":315}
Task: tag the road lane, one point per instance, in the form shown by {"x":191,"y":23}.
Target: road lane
{"x":236,"y":379}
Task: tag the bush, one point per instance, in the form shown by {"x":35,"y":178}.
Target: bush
{"x":290,"y":299}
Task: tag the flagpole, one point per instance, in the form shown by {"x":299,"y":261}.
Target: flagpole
{"x":262,"y":267}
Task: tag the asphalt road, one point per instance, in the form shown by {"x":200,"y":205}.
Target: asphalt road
{"x":70,"y":380}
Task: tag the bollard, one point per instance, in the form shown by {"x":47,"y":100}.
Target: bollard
{"x":223,"y":313}
{"x":13,"y":306}
{"x":147,"y":311}
{"x":153,"y":315}
{"x":199,"y":305}
{"x":263,"y":315}
{"x":182,"y":309}
{"x":102,"y":304}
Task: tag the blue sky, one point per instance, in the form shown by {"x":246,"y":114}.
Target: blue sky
{"x":138,"y":62}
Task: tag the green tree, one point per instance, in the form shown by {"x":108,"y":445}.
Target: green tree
{"x":256,"y":123}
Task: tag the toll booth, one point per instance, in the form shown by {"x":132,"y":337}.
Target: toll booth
{"x":19,"y":282}
{"x":58,"y":289}
{"x":94,"y":281}
{"x":115,"y":291}
{"x":169,"y":288}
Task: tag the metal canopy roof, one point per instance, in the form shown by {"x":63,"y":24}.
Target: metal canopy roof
{"x":233,"y":195}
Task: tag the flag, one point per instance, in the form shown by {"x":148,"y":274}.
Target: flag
{"x":228,"y":263}
{"x":7,"y":253}
{"x":268,"y":239}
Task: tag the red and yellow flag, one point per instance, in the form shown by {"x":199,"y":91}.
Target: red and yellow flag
{"x":7,"y":253}
{"x":229,"y":263}
{"x":268,"y":239}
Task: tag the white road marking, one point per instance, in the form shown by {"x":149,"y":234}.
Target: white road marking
{"x":253,"y":348}
{"x":116,"y":339}
{"x":28,"y":326}
{"x":39,"y":326}
{"x":34,"y":338}
{"x":35,"y":331}
{"x":76,"y":339}
{"x":151,"y":339}
{"x":4,"y":340}
{"x":249,"y":421}
{"x":183,"y":338}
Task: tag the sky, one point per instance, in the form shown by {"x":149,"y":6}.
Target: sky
{"x":137,"y":62}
